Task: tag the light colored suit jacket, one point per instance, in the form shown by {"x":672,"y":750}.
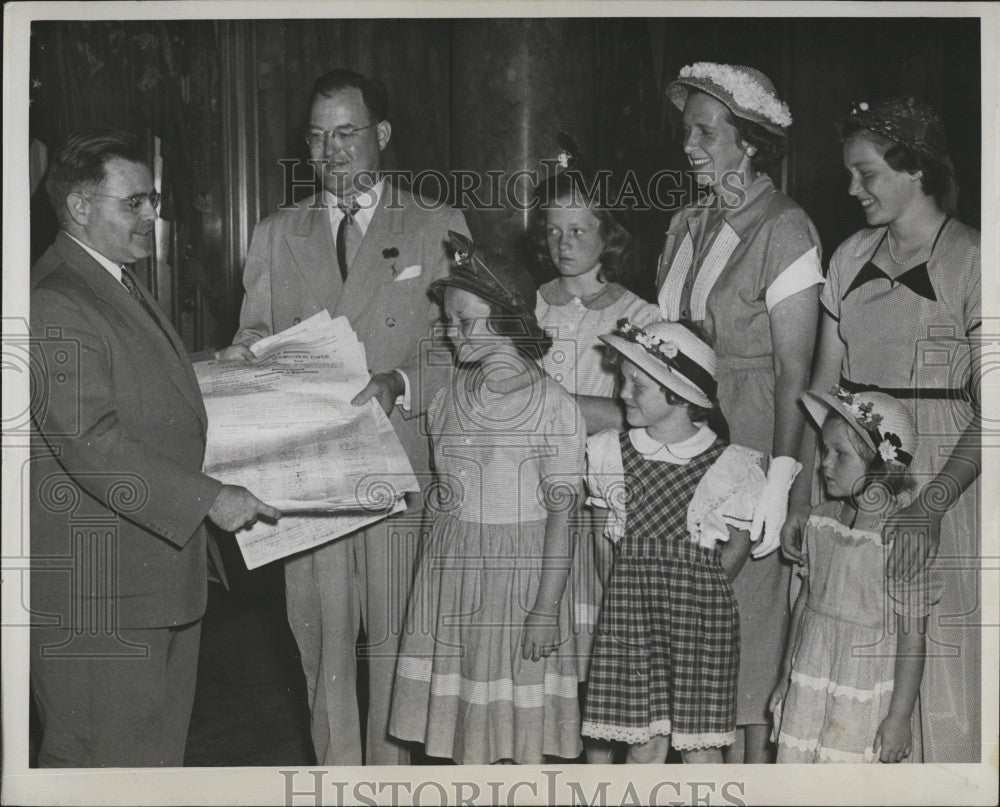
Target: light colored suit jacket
{"x":123,"y":426}
{"x":291,"y":273}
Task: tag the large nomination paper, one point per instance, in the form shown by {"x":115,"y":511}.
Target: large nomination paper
{"x":284,"y":427}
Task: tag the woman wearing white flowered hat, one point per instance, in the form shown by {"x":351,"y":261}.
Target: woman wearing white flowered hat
{"x":744,"y":263}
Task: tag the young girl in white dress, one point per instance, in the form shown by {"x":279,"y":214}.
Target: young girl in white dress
{"x":486,"y":670}
{"x":856,"y":643}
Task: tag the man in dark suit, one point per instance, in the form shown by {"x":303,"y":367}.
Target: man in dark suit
{"x":119,"y":548}
{"x":366,"y":250}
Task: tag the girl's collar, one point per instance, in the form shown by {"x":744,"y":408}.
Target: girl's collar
{"x":554,"y":294}
{"x":679,"y":452}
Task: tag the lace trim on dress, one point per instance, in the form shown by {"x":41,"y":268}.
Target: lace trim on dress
{"x":697,"y":742}
{"x":632,"y":736}
{"x":824,"y":753}
{"x":852,"y":535}
{"x":841,"y":690}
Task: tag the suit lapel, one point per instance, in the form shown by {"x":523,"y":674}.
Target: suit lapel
{"x":366,"y":274}
{"x":314,"y":254}
{"x":178,"y":365}
{"x":147,"y":334}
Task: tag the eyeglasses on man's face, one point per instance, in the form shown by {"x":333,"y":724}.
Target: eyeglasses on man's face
{"x":134,"y":203}
{"x":345,"y":135}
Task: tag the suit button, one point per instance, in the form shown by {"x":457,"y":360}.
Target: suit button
{"x":390,"y":322}
{"x":296,"y":321}
{"x":685,"y":313}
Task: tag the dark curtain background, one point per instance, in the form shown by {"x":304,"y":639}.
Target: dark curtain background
{"x":474,"y":95}
{"x":156,"y":79}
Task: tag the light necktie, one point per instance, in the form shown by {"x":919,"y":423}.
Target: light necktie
{"x":349,"y":237}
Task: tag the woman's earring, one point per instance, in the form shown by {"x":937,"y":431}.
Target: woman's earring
{"x":751,"y":150}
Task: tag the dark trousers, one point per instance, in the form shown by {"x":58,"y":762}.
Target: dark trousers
{"x":120,"y":703}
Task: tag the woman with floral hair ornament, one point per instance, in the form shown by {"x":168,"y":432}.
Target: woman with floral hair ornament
{"x":744,"y":263}
{"x":902,"y":312}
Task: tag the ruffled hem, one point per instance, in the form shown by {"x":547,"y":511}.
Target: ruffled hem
{"x":850,"y":535}
{"x":697,"y":742}
{"x":630,"y":735}
{"x":835,"y":690}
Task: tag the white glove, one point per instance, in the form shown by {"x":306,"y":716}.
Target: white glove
{"x":772,"y":506}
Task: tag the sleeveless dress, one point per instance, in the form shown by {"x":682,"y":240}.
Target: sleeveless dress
{"x":667,"y":654}
{"x":462,"y":688}
{"x":918,"y":332}
{"x":726,"y":274}
{"x":842,"y":675}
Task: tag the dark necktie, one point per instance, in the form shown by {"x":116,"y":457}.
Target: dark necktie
{"x":348,"y":238}
{"x":133,"y":289}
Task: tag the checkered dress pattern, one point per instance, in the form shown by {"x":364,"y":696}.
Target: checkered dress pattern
{"x":667,"y":653}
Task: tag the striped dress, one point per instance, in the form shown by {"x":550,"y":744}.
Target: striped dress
{"x":842,"y":675}
{"x":462,"y":688}
{"x":727,"y":272}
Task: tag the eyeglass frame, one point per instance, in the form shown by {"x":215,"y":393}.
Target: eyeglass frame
{"x":344,"y":135}
{"x":136,"y":200}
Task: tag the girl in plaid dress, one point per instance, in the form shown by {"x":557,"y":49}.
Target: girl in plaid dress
{"x":850,"y":680}
{"x":485,"y":671}
{"x":681,"y":502}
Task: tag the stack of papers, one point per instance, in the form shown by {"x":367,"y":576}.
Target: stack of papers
{"x":284,"y":428}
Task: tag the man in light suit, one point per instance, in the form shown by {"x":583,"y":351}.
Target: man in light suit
{"x":374,"y":268}
{"x":119,"y":547}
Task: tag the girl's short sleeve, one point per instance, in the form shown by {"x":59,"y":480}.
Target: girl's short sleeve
{"x":606,"y":480}
{"x":726,"y":496}
{"x":792,"y":261}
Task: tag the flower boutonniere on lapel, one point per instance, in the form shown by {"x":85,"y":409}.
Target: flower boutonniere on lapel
{"x":390,"y":254}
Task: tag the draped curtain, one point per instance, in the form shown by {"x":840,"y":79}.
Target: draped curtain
{"x":474,"y":95}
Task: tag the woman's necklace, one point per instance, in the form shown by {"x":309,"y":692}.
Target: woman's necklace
{"x":919,"y":250}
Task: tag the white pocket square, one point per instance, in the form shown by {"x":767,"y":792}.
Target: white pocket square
{"x":409,"y":272}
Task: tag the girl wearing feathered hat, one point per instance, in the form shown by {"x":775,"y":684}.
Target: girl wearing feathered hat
{"x":849,"y":682}
{"x":681,"y":504}
{"x":745,"y":265}
{"x":487,"y":670}
{"x":901,"y":314}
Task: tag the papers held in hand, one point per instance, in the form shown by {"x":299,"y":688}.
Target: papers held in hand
{"x":283,"y":427}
